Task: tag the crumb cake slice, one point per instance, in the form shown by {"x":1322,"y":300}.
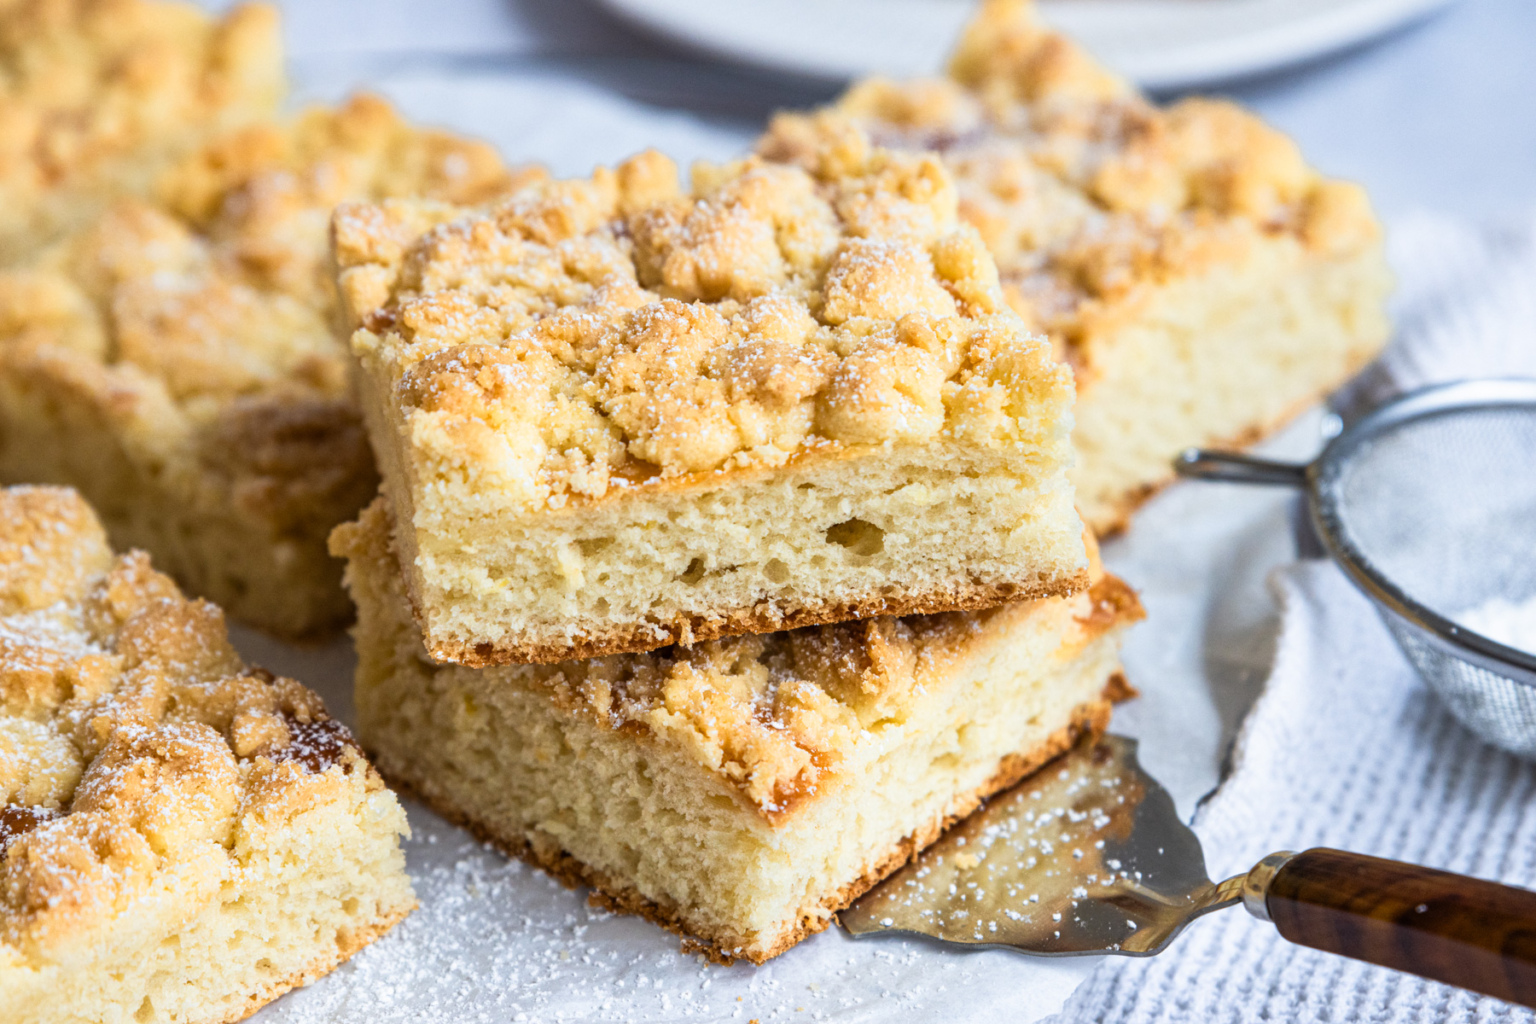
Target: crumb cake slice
{"x":182,"y":837}
{"x":742,"y":791}
{"x":612,"y":414}
{"x":177,"y":360}
{"x":1203,"y":281}
{"x":98,"y":96}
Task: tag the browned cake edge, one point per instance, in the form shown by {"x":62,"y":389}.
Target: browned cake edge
{"x":1088,"y":720}
{"x":764,"y":617}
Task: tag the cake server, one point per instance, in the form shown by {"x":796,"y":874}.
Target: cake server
{"x":1089,"y":856}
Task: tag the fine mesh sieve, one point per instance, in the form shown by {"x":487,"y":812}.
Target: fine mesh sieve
{"x":1429,"y":505}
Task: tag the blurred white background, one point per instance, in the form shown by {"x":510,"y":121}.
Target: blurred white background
{"x":1436,"y":115}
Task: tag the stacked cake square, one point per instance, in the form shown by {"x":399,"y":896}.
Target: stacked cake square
{"x":725,"y":550}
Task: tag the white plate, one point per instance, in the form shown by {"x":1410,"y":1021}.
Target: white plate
{"x":1162,"y":44}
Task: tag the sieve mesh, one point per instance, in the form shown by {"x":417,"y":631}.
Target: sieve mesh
{"x":1499,"y":708}
{"x":1438,"y":513}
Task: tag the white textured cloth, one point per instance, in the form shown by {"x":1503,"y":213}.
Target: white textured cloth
{"x":1346,"y":747}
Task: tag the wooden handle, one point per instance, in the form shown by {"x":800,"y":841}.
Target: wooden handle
{"x":1463,"y":931}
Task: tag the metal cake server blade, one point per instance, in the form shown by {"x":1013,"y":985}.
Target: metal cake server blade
{"x":1089,"y":856}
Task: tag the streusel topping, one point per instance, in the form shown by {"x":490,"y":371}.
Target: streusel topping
{"x":619,"y":328}
{"x":133,"y":741}
{"x":222,"y":287}
{"x":86,"y":82}
{"x":778,"y":713}
{"x":1082,"y":188}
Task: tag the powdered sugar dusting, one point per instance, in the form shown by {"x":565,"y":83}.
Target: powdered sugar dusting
{"x":1512,"y":623}
{"x":498,"y":941}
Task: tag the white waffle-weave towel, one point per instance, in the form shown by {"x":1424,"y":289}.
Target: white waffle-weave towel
{"x":1346,"y":747}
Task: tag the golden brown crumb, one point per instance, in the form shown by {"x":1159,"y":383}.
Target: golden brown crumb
{"x":97,"y":95}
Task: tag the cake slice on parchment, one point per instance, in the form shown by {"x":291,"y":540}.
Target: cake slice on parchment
{"x":612,"y":414}
{"x":741,"y":791}
{"x":1203,"y":281}
{"x":176,"y":360}
{"x":182,"y":837}
{"x":97,"y":97}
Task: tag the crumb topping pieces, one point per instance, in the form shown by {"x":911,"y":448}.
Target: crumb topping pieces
{"x":772,"y":713}
{"x":1083,"y":190}
{"x":133,"y":741}
{"x":777,"y":713}
{"x":84,"y":82}
{"x":598,"y":333}
{"x":222,"y":288}
{"x":199,"y":325}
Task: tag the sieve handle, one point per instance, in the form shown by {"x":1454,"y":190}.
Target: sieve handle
{"x":1467,"y":932}
{"x":1206,"y":464}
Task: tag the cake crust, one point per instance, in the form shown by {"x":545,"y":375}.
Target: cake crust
{"x":149,"y":780}
{"x":970,"y":596}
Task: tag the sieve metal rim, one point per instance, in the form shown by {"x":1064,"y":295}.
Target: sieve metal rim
{"x":1436,"y":400}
